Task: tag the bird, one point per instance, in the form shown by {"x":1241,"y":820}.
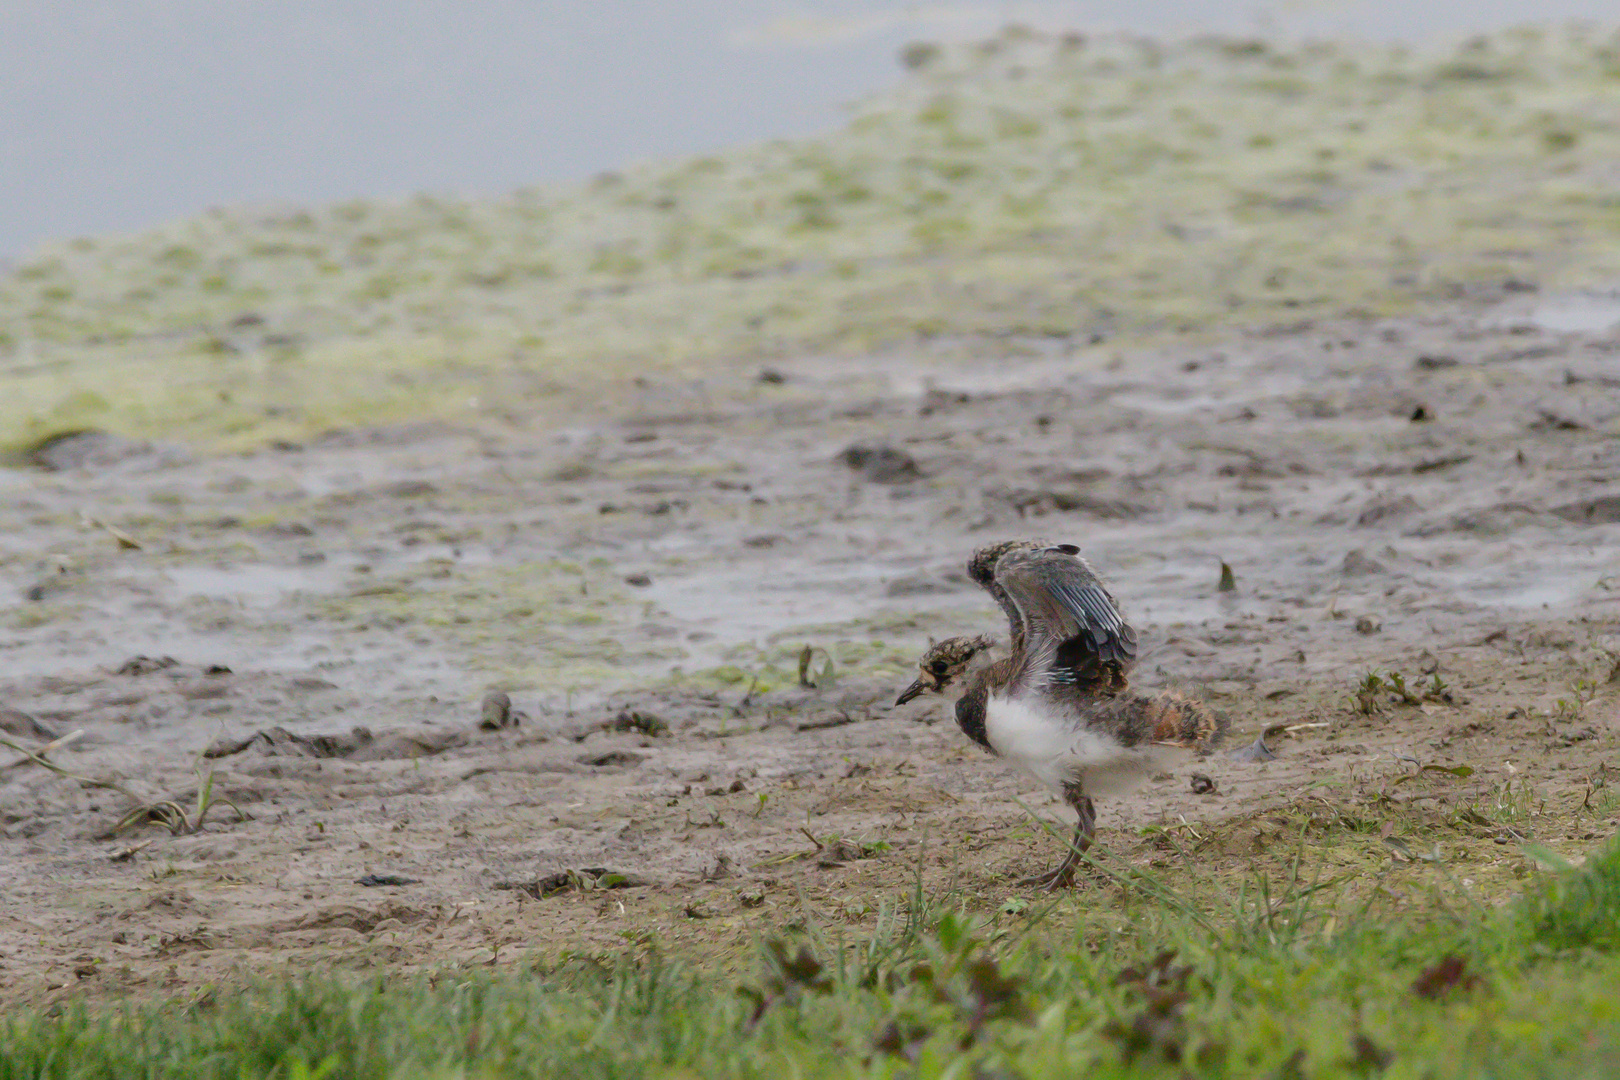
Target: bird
{"x":1111,"y":650}
{"x":1057,"y":705}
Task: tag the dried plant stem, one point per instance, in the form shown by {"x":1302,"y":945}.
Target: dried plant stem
{"x":33,"y":756}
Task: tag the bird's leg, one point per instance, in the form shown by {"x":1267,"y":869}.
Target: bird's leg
{"x":1085,"y":831}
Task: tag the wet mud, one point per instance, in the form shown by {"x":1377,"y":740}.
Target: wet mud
{"x":290,"y":662}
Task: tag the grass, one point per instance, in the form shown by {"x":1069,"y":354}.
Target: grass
{"x":1277,"y":979}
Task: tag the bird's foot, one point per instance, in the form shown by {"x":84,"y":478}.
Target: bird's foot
{"x":1061,"y":878}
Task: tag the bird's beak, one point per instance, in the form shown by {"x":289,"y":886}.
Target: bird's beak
{"x":912,"y":691}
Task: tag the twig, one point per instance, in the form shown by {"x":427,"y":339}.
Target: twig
{"x":33,"y":756}
{"x":837,"y":720}
{"x":124,"y":539}
{"x":128,"y":854}
{"x":777,"y":860}
{"x":87,"y":781}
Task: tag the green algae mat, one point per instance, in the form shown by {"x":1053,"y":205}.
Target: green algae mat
{"x":1085,"y":188}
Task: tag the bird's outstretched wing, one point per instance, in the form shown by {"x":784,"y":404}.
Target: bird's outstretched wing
{"x":982,"y":569}
{"x":1072,"y":630}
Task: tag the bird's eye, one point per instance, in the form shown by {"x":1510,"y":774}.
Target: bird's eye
{"x":938,"y":667}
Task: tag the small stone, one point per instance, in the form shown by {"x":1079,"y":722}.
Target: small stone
{"x":1357,"y":564}
{"x":145,"y":665}
{"x":374,"y":881}
{"x":1386,"y":506}
{"x":918,"y":584}
{"x":410,"y":489}
{"x":613,"y":759}
{"x":880,"y":464}
{"x":1255,"y":751}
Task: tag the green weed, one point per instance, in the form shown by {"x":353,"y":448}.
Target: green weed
{"x":1274,"y":981}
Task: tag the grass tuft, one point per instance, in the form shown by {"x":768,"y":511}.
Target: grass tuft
{"x":1579,"y":908}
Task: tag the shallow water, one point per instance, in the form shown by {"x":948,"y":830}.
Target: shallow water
{"x":251,"y":585}
{"x":1586,"y":313}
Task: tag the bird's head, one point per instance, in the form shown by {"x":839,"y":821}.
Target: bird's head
{"x":945,"y":663}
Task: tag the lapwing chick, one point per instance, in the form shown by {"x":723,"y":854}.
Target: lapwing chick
{"x":1050,"y":706}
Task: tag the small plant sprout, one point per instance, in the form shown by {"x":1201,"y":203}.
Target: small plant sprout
{"x":1376,"y":690}
{"x":1368,"y":695}
{"x":811,"y":674}
{"x":174,"y":817}
{"x":1397,"y":686}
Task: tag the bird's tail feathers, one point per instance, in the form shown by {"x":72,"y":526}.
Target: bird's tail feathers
{"x":1177,"y":720}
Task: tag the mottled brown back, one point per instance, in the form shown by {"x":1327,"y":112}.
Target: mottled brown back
{"x":1166,"y":718}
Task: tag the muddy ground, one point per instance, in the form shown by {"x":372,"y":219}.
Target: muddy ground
{"x":320,"y":622}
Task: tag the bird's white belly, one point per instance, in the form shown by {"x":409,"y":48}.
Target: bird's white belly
{"x":1055,"y":751}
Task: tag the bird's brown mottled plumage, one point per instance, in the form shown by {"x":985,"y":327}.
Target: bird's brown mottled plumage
{"x":1167,"y":718}
{"x":1061,"y":695}
{"x":982,"y":569}
{"x":1052,"y":586}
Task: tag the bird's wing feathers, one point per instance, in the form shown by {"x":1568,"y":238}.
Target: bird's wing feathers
{"x":982,"y":569}
{"x":1072,"y":628}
